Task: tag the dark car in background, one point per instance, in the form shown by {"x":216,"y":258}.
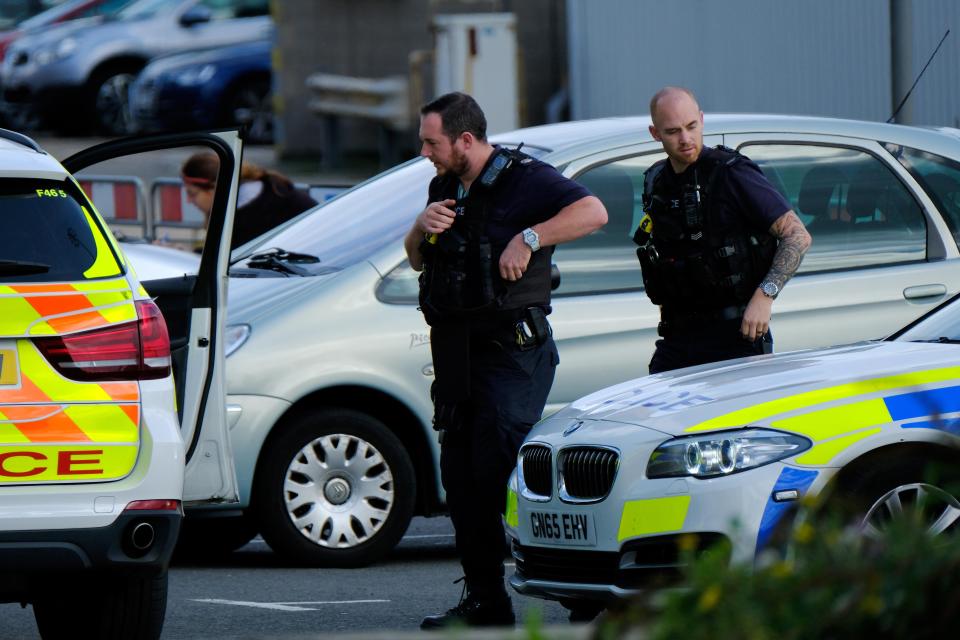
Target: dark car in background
{"x":90,"y":67}
{"x":221,"y":87}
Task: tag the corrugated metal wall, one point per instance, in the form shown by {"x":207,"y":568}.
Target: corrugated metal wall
{"x":816,"y":57}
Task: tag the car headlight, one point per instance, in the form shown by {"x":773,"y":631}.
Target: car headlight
{"x":723,"y":453}
{"x":234,"y":337}
{"x":62,"y":49}
{"x":196,"y":75}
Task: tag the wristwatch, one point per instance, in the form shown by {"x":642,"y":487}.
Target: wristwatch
{"x":532,"y":239}
{"x":770,"y":289}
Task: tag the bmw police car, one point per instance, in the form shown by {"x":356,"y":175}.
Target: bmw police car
{"x":606,"y":490}
{"x":97,"y":453}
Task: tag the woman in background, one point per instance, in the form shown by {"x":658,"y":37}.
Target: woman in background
{"x":265,"y":199}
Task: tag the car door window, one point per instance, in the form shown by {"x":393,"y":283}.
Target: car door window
{"x":605,"y":260}
{"x":939,"y":177}
{"x":854,"y":206}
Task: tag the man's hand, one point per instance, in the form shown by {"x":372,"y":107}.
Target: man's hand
{"x":756,"y":318}
{"x":437,"y":217}
{"x":514,"y":259}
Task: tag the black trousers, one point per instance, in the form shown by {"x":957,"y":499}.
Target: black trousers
{"x":508,"y":390}
{"x":722,"y":341}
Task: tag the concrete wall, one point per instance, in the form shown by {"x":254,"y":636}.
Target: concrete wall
{"x":375,"y":38}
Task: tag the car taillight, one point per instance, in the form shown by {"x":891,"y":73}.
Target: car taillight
{"x":130,"y":351}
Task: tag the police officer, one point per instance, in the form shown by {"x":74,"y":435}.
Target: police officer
{"x":717,"y":244}
{"x":484,"y":243}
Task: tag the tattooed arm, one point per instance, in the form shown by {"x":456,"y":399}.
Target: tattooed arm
{"x":794,"y":242}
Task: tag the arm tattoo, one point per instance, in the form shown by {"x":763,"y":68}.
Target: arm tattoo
{"x":794,"y":242}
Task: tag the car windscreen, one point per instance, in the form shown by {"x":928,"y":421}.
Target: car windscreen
{"x":359,"y":222}
{"x":940,"y":325}
{"x":49,"y":235}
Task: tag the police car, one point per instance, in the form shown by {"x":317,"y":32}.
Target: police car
{"x":607,"y":491}
{"x":97,"y":452}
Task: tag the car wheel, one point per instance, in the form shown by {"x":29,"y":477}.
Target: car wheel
{"x":203,"y":538}
{"x":112,"y":103}
{"x":336,"y":489}
{"x":910,"y":488}
{"x":114,"y":607}
{"x":251,"y":105}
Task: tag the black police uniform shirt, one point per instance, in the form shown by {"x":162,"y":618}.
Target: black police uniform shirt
{"x":745,"y":192}
{"x":529,"y":193}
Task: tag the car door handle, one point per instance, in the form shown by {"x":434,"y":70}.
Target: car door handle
{"x":924,"y":291}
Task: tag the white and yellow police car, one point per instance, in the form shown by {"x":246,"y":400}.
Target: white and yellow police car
{"x":94,"y":448}
{"x":606,"y":490}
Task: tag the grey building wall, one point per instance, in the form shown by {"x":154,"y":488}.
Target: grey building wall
{"x":374,"y":39}
{"x":815,"y":57}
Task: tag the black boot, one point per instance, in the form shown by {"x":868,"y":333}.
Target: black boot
{"x":475,"y":610}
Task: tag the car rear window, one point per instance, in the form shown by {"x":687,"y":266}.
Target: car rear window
{"x":49,"y":234}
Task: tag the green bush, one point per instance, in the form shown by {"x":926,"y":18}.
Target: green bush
{"x":902,"y":583}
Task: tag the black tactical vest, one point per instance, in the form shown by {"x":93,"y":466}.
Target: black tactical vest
{"x":692,"y":258}
{"x":461,"y":273}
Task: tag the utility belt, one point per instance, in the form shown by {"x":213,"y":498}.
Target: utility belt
{"x":676,"y":321}
{"x":452,"y":346}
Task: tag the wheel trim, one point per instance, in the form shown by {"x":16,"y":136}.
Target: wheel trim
{"x":256,"y":110}
{"x":930,"y":504}
{"x":113,"y":104}
{"x":328,"y":467}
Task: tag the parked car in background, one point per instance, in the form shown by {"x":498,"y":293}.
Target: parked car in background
{"x":92,"y":66}
{"x":55,"y":14}
{"x":222,"y":87}
{"x":329,"y":364}
{"x":612,"y":490}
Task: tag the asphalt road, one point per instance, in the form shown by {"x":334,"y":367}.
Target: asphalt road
{"x":250,"y":594}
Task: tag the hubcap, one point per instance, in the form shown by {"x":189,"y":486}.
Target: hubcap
{"x":113,"y":106}
{"x":338,"y":491}
{"x":935,"y":508}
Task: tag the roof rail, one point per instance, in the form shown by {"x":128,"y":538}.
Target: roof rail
{"x":19,"y":138}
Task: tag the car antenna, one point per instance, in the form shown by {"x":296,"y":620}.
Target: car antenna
{"x":919,"y":75}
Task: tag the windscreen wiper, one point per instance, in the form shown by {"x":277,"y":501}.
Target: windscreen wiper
{"x":21,"y":267}
{"x":283,"y":261}
{"x":942,"y":340}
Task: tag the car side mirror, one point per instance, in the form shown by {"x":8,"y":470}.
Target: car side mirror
{"x":197,"y":14}
{"x":554,"y":276}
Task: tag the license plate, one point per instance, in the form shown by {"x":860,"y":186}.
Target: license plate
{"x":559,"y":527}
{"x":8,"y":367}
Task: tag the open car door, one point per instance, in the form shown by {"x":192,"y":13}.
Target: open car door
{"x":193,"y":303}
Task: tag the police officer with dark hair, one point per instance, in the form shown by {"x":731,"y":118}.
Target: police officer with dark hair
{"x":717,"y":244}
{"x":483,"y":244}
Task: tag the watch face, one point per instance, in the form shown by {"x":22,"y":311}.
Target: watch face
{"x":770,"y":289}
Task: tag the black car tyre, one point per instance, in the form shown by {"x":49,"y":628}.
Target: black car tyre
{"x":909,"y":487}
{"x":250,"y":104}
{"x":335,"y":489}
{"x":111,"y":102}
{"x":205,"y":538}
{"x":112,"y":608}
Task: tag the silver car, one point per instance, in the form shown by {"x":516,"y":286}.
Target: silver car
{"x":329,"y":367}
{"x":90,"y":64}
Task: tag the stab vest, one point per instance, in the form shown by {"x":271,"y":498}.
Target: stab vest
{"x":692,"y":258}
{"x":461,"y":273}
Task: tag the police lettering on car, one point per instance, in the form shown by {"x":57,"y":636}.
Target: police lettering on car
{"x":484,"y":243}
